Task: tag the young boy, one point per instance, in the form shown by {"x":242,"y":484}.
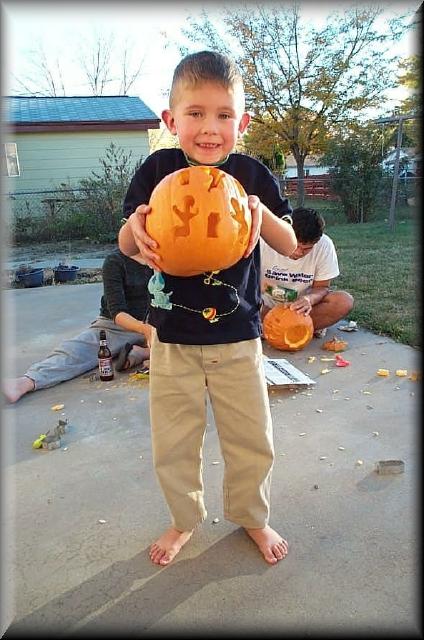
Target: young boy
{"x":308,"y":270}
{"x":190,"y":355}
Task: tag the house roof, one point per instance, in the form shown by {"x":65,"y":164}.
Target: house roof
{"x":76,"y":112}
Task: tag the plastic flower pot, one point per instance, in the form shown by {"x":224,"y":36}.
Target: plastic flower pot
{"x":30,"y":277}
{"x":63,"y":273}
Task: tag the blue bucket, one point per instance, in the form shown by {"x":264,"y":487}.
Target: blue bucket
{"x":63,"y":273}
{"x":31,"y":278}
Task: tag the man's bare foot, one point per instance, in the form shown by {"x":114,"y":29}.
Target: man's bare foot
{"x":15,"y":388}
{"x":270,"y":543}
{"x":164,"y":550}
{"x":137,"y":355}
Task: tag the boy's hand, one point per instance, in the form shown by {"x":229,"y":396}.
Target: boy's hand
{"x":255,"y":207}
{"x":144,"y":242}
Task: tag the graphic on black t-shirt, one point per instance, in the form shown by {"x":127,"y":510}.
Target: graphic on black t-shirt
{"x":155,"y":286}
{"x":162,"y":300}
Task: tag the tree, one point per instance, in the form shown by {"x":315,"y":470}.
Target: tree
{"x":129,"y":71}
{"x":94,"y":208}
{"x":303,"y":81}
{"x":104,"y":191}
{"x":263,"y":143}
{"x":44,"y":76}
{"x":355,"y":158}
{"x":100,"y":65}
{"x":409,"y":77}
{"x":95,"y":61}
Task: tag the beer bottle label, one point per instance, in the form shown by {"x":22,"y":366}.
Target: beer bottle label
{"x":105,"y":366}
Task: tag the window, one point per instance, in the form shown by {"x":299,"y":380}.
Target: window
{"x":10,"y":161}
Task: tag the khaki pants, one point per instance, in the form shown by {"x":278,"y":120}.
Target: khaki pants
{"x":232,"y":374}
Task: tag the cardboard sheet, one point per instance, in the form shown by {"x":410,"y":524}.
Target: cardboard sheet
{"x":281,"y":373}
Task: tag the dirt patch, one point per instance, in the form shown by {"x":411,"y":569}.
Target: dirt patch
{"x":25,"y":256}
{"x":63,"y":252}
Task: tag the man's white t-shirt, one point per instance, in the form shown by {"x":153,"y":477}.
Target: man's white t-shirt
{"x":277,"y":270}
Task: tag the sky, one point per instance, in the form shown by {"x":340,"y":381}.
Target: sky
{"x":62,"y":28}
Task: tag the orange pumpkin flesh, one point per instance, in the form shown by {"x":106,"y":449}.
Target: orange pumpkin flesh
{"x":200,"y":220}
{"x":287,"y":330}
{"x":335,"y":344}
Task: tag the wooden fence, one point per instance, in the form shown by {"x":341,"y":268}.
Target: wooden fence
{"x":315,"y":187}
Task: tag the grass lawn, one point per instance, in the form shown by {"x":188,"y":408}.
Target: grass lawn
{"x":381,"y":269}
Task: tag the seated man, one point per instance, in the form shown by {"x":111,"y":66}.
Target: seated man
{"x":308,"y":271}
{"x":123,"y":310}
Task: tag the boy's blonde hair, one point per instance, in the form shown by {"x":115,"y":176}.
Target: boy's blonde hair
{"x":205,"y":66}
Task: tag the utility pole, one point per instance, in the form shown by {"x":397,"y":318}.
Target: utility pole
{"x":399,"y":120}
{"x":395,"y":175}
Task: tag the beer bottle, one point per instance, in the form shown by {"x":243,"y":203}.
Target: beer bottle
{"x":105,"y":358}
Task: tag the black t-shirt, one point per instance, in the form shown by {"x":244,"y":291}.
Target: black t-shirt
{"x":124,"y":287}
{"x":223,"y":308}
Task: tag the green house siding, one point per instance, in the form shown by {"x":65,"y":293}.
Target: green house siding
{"x":48,"y":159}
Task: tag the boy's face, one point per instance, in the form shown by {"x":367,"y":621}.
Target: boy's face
{"x":207,"y":119}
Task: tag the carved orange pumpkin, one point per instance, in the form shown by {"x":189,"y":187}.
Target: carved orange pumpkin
{"x":287,"y":330}
{"x":200,"y":220}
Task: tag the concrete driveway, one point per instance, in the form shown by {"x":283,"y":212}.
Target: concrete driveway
{"x":78,"y":521}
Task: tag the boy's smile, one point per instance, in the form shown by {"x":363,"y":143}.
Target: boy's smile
{"x":207,"y":119}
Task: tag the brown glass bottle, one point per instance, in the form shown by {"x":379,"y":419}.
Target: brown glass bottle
{"x":105,"y":358}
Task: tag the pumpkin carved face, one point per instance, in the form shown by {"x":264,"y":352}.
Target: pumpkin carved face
{"x":200,"y":220}
{"x":287,"y":330}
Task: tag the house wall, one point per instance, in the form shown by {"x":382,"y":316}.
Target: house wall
{"x":47,"y":159}
{"x":291,"y":172}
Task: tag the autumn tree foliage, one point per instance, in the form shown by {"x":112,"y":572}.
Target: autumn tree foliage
{"x":410,"y":74}
{"x":355,"y":159}
{"x":302,"y":79}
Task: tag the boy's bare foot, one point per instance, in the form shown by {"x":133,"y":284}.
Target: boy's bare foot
{"x":270,"y":543}
{"x":15,"y":388}
{"x":164,"y":550}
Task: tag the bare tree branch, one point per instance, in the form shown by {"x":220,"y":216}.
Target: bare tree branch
{"x":97,"y":67}
{"x":128,"y":74}
{"x":44,"y":77}
{"x":95,"y":61}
